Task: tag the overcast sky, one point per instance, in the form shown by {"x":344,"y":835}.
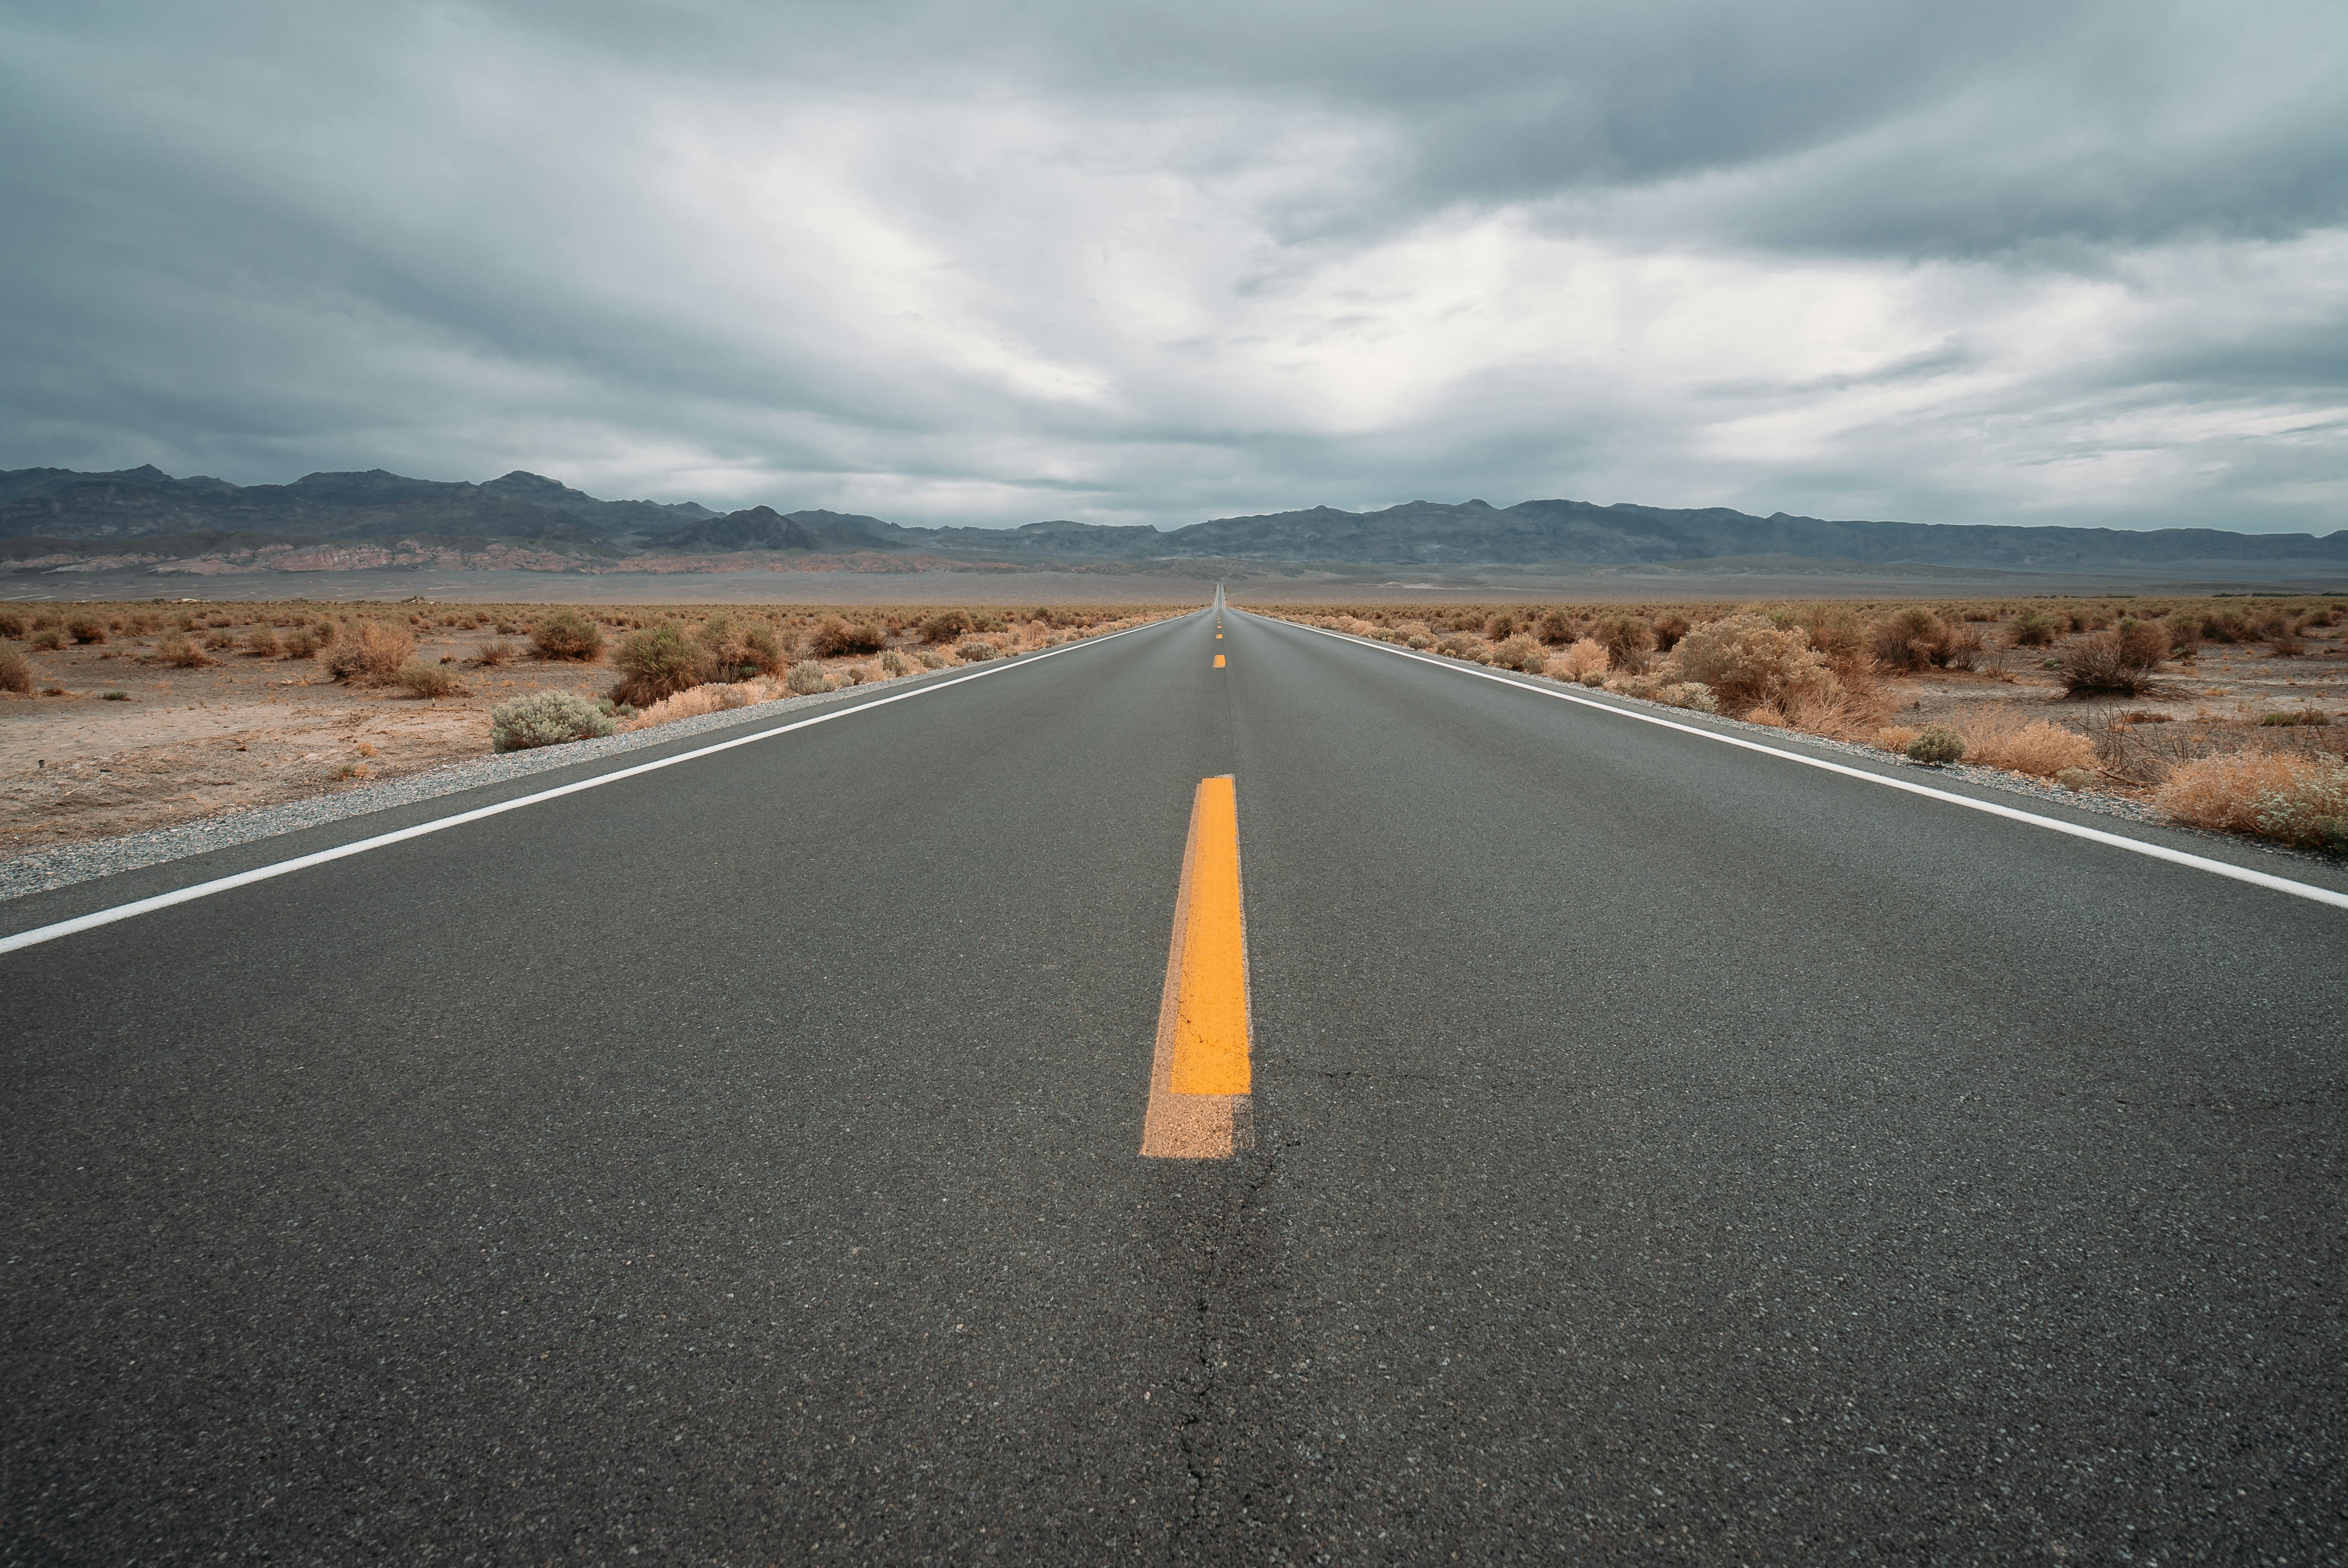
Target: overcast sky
{"x":991,"y":262}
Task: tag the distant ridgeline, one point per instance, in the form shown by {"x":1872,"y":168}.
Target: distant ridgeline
{"x":54,"y":516}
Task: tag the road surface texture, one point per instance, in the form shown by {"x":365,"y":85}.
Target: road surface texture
{"x":1661,"y":1153}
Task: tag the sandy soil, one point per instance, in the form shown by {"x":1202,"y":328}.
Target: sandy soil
{"x":2224,"y":682}
{"x":246,"y":732}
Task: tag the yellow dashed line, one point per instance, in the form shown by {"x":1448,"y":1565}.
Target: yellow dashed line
{"x":1199,"y":1075}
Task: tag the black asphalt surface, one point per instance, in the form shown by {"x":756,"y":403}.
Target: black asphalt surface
{"x":1666,"y":1153}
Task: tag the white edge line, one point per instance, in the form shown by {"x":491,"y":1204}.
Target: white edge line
{"x":2118,"y":841}
{"x":50,"y":933}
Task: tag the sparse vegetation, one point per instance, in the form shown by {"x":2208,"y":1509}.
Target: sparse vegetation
{"x":835,"y":636}
{"x":179,"y":649}
{"x":1585,"y":661}
{"x":1627,"y":638}
{"x":546,"y":719}
{"x":371,"y":653}
{"x":1998,"y":737}
{"x":656,"y":661}
{"x":1747,"y":661}
{"x":429,"y":681}
{"x":739,"y":649}
{"x":2119,"y":662}
{"x":2297,"y":800}
{"x":1937,"y":745}
{"x":974,"y":651}
{"x":946,"y":626}
{"x":566,"y":635}
{"x":262,"y":643}
{"x":15,"y":669}
{"x":807,"y":679}
{"x":1519,"y":651}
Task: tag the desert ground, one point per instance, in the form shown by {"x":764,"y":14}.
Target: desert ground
{"x":112,"y":737}
{"x":139,"y":715}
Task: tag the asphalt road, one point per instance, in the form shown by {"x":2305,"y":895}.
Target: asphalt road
{"x":1663,"y":1152}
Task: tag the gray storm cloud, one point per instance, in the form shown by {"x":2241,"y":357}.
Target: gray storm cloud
{"x":975,"y":263}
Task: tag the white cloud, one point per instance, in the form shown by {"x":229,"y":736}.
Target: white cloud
{"x":868,"y":261}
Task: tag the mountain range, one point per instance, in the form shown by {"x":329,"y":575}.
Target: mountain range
{"x":56,"y":517}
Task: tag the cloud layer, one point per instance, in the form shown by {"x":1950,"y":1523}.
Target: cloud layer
{"x":991,"y":263}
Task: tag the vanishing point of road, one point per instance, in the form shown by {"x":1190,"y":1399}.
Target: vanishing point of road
{"x":881,"y":1142}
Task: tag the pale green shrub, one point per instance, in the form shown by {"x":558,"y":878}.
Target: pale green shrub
{"x":1938,"y":744}
{"x":545,"y":719}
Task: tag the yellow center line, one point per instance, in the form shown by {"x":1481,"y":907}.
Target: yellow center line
{"x":1199,"y":1075}
{"x":1218,"y":660}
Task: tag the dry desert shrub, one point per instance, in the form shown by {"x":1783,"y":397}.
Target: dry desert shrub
{"x":806,"y":679}
{"x":2297,"y":800}
{"x":1692,"y":695}
{"x":896,"y":663}
{"x":371,"y":654}
{"x":1839,"y":636}
{"x":12,"y":625}
{"x":1465,"y":645}
{"x":1520,"y":653}
{"x":739,"y":649}
{"x":179,"y":649}
{"x":973,"y":651}
{"x":2121,"y":660}
{"x":15,"y":669}
{"x":1831,"y":708}
{"x":834,"y":637}
{"x":1747,"y":661}
{"x":1909,"y":639}
{"x":1895,"y":738}
{"x":656,"y":662}
{"x":1998,"y":737}
{"x":1628,"y":639}
{"x":493,"y":653}
{"x":263,"y":642}
{"x":86,"y":627}
{"x":1938,"y":745}
{"x":718,"y":697}
{"x":1580,"y":660}
{"x":2031,"y":630}
{"x":567,"y":634}
{"x":946,"y":626}
{"x":429,"y":681}
{"x":545,"y":719}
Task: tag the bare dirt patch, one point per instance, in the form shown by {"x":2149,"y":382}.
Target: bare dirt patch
{"x":246,"y":729}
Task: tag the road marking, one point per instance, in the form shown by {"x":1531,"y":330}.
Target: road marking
{"x":1199,"y":1075}
{"x":50,"y":933}
{"x":1218,"y":660}
{"x":2096,"y":835}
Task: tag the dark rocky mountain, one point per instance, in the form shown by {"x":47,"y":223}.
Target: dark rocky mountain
{"x":758,"y":528}
{"x":1438,"y":533}
{"x":61,"y":511}
{"x":61,"y":504}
